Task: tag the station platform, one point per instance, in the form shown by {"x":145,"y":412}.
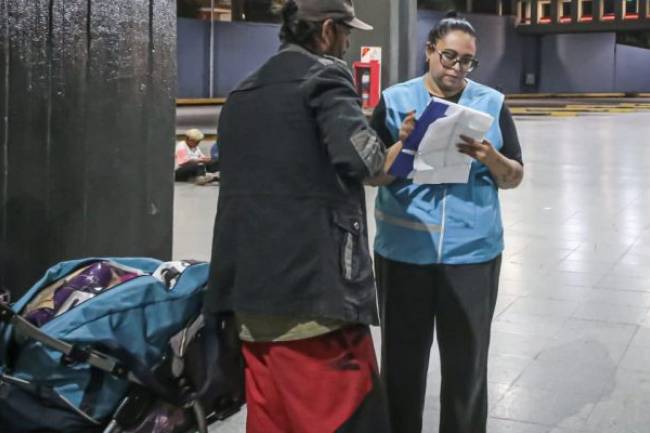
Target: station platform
{"x":571,"y":338}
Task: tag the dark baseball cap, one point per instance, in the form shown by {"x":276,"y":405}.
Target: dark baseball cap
{"x":320,"y":10}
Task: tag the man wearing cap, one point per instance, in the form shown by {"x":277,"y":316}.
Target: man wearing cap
{"x":290,"y":250}
{"x":191,"y":163}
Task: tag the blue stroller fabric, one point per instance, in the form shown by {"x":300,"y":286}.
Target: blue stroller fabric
{"x":135,"y":318}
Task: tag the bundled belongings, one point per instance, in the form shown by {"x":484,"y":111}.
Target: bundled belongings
{"x":117,"y":345}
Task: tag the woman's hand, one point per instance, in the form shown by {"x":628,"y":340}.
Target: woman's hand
{"x":481,"y":151}
{"x":408,"y":125}
{"x":507,"y":173}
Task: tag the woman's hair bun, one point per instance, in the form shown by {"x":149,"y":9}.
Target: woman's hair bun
{"x":451,"y":22}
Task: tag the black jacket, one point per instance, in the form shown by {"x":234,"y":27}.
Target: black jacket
{"x":290,"y":233}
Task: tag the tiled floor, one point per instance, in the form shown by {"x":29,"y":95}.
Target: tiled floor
{"x":571,"y":339}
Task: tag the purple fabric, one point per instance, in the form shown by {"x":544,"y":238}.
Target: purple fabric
{"x":40,"y":316}
{"x":126,"y":276}
{"x":61,"y":294}
{"x":163,"y":418}
{"x":94,"y":279}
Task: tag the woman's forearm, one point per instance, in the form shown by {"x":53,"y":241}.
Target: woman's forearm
{"x":507,"y":173}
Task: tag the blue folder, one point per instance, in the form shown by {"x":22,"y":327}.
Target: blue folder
{"x":403,"y":164}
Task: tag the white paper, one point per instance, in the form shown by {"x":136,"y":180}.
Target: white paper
{"x":438,"y":159}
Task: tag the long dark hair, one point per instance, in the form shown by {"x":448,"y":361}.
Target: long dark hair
{"x":447,"y":25}
{"x":295,"y":30}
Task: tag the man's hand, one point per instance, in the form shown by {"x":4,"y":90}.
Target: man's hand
{"x":385,"y":178}
{"x":407,"y":127}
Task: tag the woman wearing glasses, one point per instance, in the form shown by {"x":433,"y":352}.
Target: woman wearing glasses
{"x":438,"y":247}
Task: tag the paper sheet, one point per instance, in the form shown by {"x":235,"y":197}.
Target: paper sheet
{"x":435,"y":159}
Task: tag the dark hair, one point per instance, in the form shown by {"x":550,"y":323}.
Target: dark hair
{"x":448,"y":24}
{"x":295,"y":30}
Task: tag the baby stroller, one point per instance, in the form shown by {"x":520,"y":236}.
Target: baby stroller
{"x":117,"y":345}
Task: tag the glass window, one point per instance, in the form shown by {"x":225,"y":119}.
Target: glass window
{"x":524,"y":12}
{"x":506,"y":7}
{"x":608,"y":10}
{"x":565,"y":11}
{"x":586,"y":10}
{"x":544,"y":11}
{"x":631,"y":9}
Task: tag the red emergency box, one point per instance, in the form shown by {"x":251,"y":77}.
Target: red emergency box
{"x":367,"y":79}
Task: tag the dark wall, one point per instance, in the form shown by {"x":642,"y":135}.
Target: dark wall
{"x":239,"y":48}
{"x":500,"y":49}
{"x":592,"y":62}
{"x":632,"y":69}
{"x":555,"y":63}
{"x":500,"y":53}
{"x":193,"y":58}
{"x":587,"y":62}
{"x":426,"y":21}
{"x":531,"y":63}
{"x":580,"y":62}
{"x":86,"y":148}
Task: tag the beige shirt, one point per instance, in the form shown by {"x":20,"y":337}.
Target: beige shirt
{"x":258,"y":328}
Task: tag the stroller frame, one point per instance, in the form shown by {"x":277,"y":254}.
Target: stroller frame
{"x":147,"y":385}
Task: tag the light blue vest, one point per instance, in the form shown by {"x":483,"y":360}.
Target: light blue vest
{"x":448,"y":223}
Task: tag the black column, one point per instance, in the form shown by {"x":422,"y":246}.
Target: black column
{"x":86,"y":145}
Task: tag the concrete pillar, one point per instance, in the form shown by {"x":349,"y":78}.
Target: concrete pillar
{"x":87,"y":132}
{"x":395,"y":24}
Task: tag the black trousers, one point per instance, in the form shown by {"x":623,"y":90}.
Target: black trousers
{"x":459,"y":301}
{"x":191,"y":170}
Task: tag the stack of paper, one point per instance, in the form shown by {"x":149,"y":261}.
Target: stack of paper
{"x":430,"y":155}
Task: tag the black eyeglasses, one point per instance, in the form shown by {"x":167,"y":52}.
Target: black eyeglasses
{"x":449,"y":58}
